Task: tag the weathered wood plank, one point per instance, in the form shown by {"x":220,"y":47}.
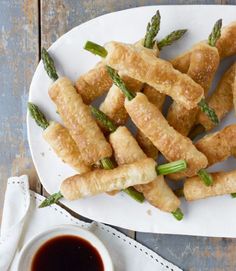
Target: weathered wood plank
{"x":18,"y":58}
{"x":193,"y":253}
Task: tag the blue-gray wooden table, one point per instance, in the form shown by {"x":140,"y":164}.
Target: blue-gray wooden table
{"x":26,"y":26}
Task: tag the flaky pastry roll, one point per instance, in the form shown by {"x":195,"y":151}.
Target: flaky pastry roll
{"x":94,"y":83}
{"x":79,"y":121}
{"x":224,"y":183}
{"x":137,"y":63}
{"x":218,"y":146}
{"x":157,"y":192}
{"x":59,"y":138}
{"x":203,"y":63}
{"x":101,"y":180}
{"x":168,"y":141}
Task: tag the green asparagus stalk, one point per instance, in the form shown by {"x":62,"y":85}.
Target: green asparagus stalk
{"x":233,"y":195}
{"x":120,"y":83}
{"x":178,"y":214}
{"x":171,"y":167}
{"x":104,"y":119}
{"x":95,"y":49}
{"x":172,"y":37}
{"x":153,"y":28}
{"x":133,"y":193}
{"x":210,"y":112}
{"x":38,"y":116}
{"x":205,"y":177}
{"x":215,"y":34}
{"x":49,"y":65}
{"x":54,"y":198}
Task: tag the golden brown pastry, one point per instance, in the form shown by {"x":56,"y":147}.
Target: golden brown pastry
{"x":94,"y":83}
{"x":158,"y":100}
{"x":127,"y":150}
{"x":218,"y":146}
{"x":79,"y":121}
{"x":59,"y":138}
{"x":221,"y":100}
{"x":226,"y":44}
{"x":203,"y":63}
{"x":137,"y":63}
{"x":224,"y":183}
{"x":101,"y":180}
{"x":113,"y":105}
{"x":168,"y":141}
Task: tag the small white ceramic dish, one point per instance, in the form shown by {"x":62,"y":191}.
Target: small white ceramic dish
{"x":30,"y":249}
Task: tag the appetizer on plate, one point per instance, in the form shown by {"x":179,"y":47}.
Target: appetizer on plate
{"x":108,"y":157}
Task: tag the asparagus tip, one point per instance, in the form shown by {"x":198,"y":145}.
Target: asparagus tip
{"x":133,"y":193}
{"x":205,"y":177}
{"x":54,"y":198}
{"x":95,"y":49}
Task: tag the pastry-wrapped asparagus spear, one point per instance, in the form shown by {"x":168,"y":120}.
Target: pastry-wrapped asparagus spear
{"x":226,"y":45}
{"x":156,"y":192}
{"x":151,"y":122}
{"x":59,"y":138}
{"x":218,"y":146}
{"x":77,"y":117}
{"x":221,"y":101}
{"x":224,"y":183}
{"x":139,"y":64}
{"x":203,"y":63}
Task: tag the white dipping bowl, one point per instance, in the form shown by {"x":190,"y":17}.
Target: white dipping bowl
{"x":30,"y":249}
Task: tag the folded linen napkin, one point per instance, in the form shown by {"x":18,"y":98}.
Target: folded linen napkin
{"x":22,"y":220}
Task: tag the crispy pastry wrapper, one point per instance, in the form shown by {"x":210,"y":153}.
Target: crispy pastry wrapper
{"x":226,"y":44}
{"x":101,"y":180}
{"x":168,"y":141}
{"x":203,"y":63}
{"x":94,"y":83}
{"x":59,"y":138}
{"x":158,"y":100}
{"x":139,"y":64}
{"x":79,"y":121}
{"x":218,"y":146}
{"x":221,"y":100}
{"x":224,"y":183}
{"x":157,"y":192}
{"x":113,"y":105}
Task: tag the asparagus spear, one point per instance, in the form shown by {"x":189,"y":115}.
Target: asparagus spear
{"x":205,"y":177}
{"x":215,"y":34}
{"x":38,"y":116}
{"x":54,"y":198}
{"x":172,"y":37}
{"x":153,"y":28}
{"x":49,"y":65}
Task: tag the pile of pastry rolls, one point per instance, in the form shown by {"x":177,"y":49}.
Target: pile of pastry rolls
{"x":84,"y":142}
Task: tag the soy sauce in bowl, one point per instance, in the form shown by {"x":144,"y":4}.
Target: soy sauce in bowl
{"x":67,"y":253}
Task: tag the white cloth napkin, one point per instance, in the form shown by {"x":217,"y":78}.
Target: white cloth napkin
{"x":22,"y":220}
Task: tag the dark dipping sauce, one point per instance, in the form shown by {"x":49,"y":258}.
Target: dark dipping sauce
{"x":67,"y":253}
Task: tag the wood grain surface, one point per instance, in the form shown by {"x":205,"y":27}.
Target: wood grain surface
{"x":28,"y":25}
